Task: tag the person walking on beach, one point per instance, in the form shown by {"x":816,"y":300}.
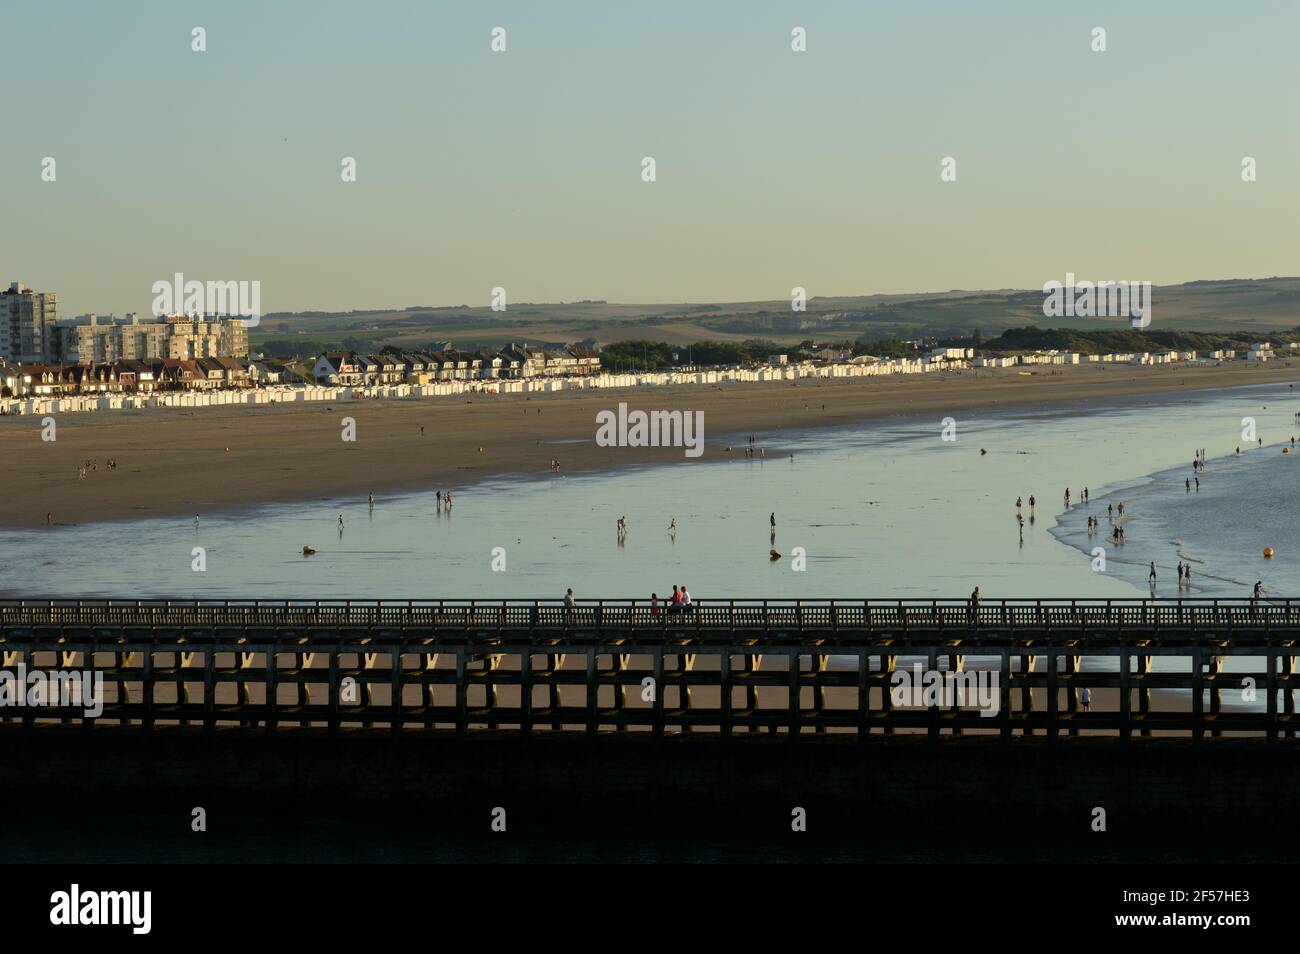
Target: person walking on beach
{"x":1110,"y":511}
{"x":1085,"y":698}
{"x":1187,"y":485}
{"x":1151,"y":577}
{"x":1187,"y":576}
{"x":672,"y":525}
{"x":49,"y":519}
{"x":772,"y":520}
{"x":1198,"y":485}
{"x":1031,"y":501}
{"x":371,"y":501}
{"x":340,"y":523}
{"x":1067,"y":498}
{"x":196,"y":523}
{"x":1121,"y":508}
{"x":1018,"y":505}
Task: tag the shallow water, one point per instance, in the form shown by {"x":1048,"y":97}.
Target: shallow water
{"x":882,"y":509}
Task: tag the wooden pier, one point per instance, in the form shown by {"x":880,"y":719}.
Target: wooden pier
{"x":729,"y":667}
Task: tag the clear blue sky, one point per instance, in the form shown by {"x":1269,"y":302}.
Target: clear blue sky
{"x":522,"y":169}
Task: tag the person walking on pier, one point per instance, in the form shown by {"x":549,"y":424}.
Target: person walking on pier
{"x":974,"y":609}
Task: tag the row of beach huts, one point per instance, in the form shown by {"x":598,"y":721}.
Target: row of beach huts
{"x":856,"y":368}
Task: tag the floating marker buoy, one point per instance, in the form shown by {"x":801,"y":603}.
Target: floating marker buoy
{"x":1268,"y":553}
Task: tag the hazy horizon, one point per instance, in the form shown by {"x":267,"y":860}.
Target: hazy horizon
{"x":522,"y":168}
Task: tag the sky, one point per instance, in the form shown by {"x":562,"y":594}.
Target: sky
{"x":523,"y":169}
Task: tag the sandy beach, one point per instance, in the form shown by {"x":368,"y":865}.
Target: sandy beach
{"x":180,"y":462}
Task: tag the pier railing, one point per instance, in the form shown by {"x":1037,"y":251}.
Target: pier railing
{"x":893,"y":618}
{"x":1198,"y":669}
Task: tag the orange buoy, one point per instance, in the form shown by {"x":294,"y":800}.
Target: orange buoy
{"x":1286,"y":450}
{"x":1268,"y":553}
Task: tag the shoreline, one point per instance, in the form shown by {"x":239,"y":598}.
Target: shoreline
{"x":179,"y":462}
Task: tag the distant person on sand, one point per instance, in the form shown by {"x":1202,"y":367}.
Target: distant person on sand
{"x":1085,"y":698}
{"x":772,"y":519}
{"x":1151,"y":577}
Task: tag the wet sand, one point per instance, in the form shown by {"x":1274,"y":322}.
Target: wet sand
{"x":180,"y":462}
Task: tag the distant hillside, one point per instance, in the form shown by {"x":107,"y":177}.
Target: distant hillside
{"x":1216,"y":307}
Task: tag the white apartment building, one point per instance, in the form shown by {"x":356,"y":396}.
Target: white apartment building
{"x":25,"y":319}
